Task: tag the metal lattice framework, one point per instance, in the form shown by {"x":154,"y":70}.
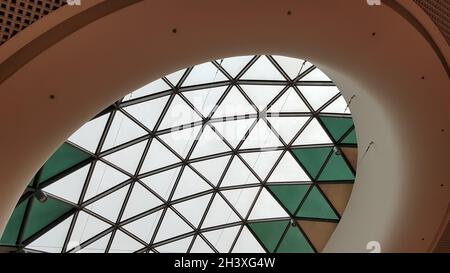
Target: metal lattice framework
{"x":244,"y":154}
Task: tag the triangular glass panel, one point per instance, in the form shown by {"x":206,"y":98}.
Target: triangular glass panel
{"x":234,"y":130}
{"x":263,"y":69}
{"x":234,"y":104}
{"x":53,"y":240}
{"x":291,"y":66}
{"x":12,"y":228}
{"x":222,"y":239}
{"x":70,"y":186}
{"x":287,"y":132}
{"x":158,"y":156}
{"x":209,"y":143}
{"x":247,"y":243}
{"x":315,"y":75}
{"x":179,"y":246}
{"x":103,"y":178}
{"x":204,"y":73}
{"x":122,"y":243}
{"x":205,"y":100}
{"x":269,"y":233}
{"x":219,"y":213}
{"x":336,"y":169}
{"x":122,"y":130}
{"x":261,"y":137}
{"x":262,"y":95}
{"x":318,"y":232}
{"x":86,"y":227}
{"x":267,"y":207}
{"x":180,"y":113}
{"x":294,"y":242}
{"x":337,"y":126}
{"x":289,"y":102}
{"x":313,"y":134}
{"x":200,"y":246}
{"x":175,"y":77}
{"x":144,"y":227}
{"x":212,"y":169}
{"x":312,"y":158}
{"x":193,"y":209}
{"x":316,"y":206}
{"x":288,"y":170}
{"x":171,"y":226}
{"x":234,"y":65}
{"x":318,"y":95}
{"x":110,"y":205}
{"x":238,"y":174}
{"x":181,"y":140}
{"x":140,"y":200}
{"x":261,"y":162}
{"x":350,"y":138}
{"x":162,"y":183}
{"x":241,"y":199}
{"x":339,"y":106}
{"x":151,"y":88}
{"x":89,"y":135}
{"x":290,"y":195}
{"x":128,"y":158}
{"x":98,"y":246}
{"x":148,"y":112}
{"x":190,"y":183}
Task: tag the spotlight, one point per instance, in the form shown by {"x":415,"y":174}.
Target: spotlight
{"x":41,"y":196}
{"x":336,"y":151}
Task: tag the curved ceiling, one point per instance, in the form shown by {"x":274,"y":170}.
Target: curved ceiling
{"x":400,"y":198}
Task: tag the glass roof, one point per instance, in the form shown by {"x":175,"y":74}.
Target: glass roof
{"x":242,"y":154}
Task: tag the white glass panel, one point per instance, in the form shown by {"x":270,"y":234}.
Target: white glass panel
{"x":241,"y":199}
{"x":53,"y":240}
{"x":194,"y":209}
{"x":290,"y":101}
{"x":313,"y":134}
{"x":206,"y":99}
{"x":291,"y":66}
{"x":179,"y":114}
{"x":148,"y":112}
{"x":140,"y":200}
{"x":234,"y":65}
{"x":318,"y":95}
{"x":219,"y":213}
{"x":200,"y":246}
{"x":162,"y":183}
{"x":86,"y":227}
{"x":238,"y":174}
{"x":266,"y":207}
{"x":122,"y":130}
{"x":171,"y":226}
{"x":158,"y":156}
{"x":261,"y":95}
{"x":190,"y":183}
{"x":98,"y":246}
{"x":234,"y":130}
{"x":212,"y":169}
{"x":209,"y":143}
{"x":261,"y":162}
{"x":123,"y":243}
{"x":261,"y":137}
{"x":128,"y":158}
{"x":151,"y":88}
{"x":315,"y":75}
{"x":234,"y":104}
{"x":288,"y":170}
{"x":181,"y":140}
{"x":247,"y":243}
{"x":179,"y":246}
{"x":175,"y":77}
{"x":222,"y":239}
{"x":338,"y":106}
{"x":287,"y":127}
{"x":262,"y":69}
{"x":144,"y":227}
{"x":103,"y":178}
{"x":70,"y":186}
{"x":89,"y":135}
{"x":204,"y":73}
{"x":110,"y":205}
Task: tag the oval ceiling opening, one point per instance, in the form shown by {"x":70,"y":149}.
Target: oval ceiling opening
{"x":243,"y":154}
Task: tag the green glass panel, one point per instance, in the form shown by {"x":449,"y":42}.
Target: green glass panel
{"x":294,"y":242}
{"x":337,"y":127}
{"x":65,"y":157}
{"x":13,"y":227}
{"x":350,"y":138}
{"x":269,"y":233}
{"x":42,"y":214}
{"x":290,"y":195}
{"x":312,"y":158}
{"x":316,"y":206}
{"x":336,"y":169}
